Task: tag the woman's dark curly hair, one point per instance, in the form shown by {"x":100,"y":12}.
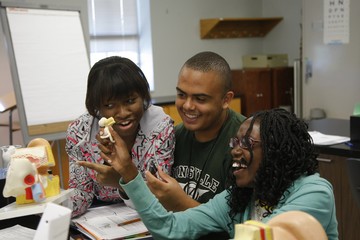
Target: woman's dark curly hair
{"x":114,"y":78}
{"x":288,"y":153}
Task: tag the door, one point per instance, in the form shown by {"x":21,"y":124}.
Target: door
{"x":283,"y":87}
{"x":258,"y":89}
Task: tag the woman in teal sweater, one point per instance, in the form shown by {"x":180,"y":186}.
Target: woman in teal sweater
{"x":274,"y":170}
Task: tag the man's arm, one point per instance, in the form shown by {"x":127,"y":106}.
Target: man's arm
{"x":169,"y":192}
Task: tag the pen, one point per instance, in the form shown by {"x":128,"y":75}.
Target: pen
{"x":129,"y":221}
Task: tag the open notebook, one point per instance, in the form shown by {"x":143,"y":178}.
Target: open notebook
{"x":115,"y":221}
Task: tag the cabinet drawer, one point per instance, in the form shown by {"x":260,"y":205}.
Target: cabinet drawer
{"x":333,"y":168}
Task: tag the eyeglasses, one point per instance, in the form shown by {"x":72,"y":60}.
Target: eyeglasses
{"x":243,"y":142}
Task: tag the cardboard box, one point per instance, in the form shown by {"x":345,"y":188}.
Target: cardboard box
{"x":265,"y":61}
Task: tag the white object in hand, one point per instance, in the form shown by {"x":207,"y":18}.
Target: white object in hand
{"x":105,"y":123}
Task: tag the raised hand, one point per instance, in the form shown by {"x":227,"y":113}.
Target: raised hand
{"x":169,"y":192}
{"x":119,"y":158}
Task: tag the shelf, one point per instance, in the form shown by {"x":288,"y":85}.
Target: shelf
{"x":18,"y":210}
{"x":236,"y":27}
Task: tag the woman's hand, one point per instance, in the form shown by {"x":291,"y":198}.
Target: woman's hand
{"x":169,"y":192}
{"x":105,"y":174}
{"x":119,"y":158}
{"x":106,"y":145}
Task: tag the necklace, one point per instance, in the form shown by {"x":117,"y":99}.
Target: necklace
{"x":198,"y":179}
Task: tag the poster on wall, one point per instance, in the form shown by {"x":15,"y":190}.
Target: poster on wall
{"x":336,"y":21}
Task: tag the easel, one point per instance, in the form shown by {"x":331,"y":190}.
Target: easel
{"x":8,"y":103}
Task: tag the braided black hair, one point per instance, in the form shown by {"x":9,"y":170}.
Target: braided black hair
{"x":288,"y":153}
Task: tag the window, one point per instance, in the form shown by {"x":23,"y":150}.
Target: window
{"x":113,"y":29}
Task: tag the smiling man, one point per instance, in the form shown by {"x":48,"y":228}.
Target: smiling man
{"x":202,"y":155}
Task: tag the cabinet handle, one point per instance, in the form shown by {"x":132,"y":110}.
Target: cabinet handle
{"x":324,"y":160}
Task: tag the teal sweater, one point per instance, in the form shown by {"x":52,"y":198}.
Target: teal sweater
{"x":311,"y":194}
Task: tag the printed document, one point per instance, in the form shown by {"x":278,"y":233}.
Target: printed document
{"x":111,"y":222}
{"x":324,"y":139}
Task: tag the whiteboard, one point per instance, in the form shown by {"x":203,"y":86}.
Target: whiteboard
{"x":51,"y":66}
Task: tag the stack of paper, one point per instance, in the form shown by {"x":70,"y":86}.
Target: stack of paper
{"x":323,"y":139}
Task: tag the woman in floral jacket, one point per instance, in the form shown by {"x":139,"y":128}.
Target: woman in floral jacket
{"x":116,"y":88}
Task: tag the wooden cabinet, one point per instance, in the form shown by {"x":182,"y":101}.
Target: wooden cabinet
{"x":61,"y":167}
{"x":253,"y":85}
{"x":171,"y":110}
{"x":333,"y":168}
{"x":263,"y":88}
{"x":235,"y":104}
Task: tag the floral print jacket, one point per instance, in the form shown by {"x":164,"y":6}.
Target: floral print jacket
{"x":154,"y":145}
